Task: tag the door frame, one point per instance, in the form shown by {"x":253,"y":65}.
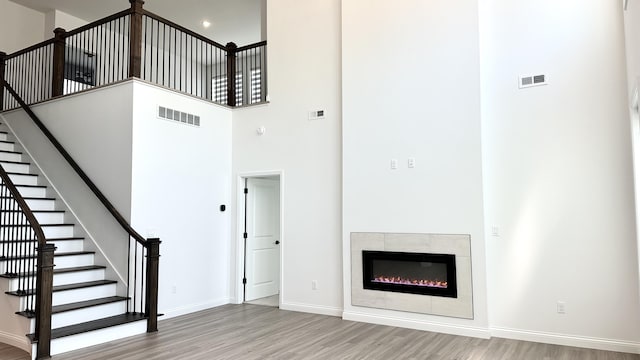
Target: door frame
{"x":239,"y":239}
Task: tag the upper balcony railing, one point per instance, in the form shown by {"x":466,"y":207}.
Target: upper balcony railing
{"x":135,"y":43}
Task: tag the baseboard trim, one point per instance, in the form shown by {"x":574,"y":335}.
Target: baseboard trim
{"x":314,"y":309}
{"x":567,"y":340}
{"x":20,"y":342}
{"x":471,"y":331}
{"x":184,"y":310}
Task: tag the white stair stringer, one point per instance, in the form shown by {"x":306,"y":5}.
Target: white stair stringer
{"x":82,"y":297}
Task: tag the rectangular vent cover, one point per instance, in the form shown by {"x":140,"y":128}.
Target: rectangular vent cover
{"x":178,"y":116}
{"x":532,"y":80}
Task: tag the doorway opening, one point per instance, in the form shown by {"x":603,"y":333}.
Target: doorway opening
{"x":261,"y":240}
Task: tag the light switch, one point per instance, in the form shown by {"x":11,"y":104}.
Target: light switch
{"x":411,"y":163}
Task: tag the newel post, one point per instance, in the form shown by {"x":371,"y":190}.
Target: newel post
{"x":59,"y":49}
{"x":44,"y":286}
{"x":231,"y":74}
{"x":135,"y":39}
{"x":153,"y":260}
{"x":3,"y":65}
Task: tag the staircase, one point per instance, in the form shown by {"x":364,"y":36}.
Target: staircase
{"x":87,"y":308}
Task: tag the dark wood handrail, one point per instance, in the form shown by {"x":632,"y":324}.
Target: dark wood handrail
{"x":183,"y":29}
{"x":30,"y":48}
{"x":103,"y":199}
{"x":252,"y":46}
{"x":99,"y":22}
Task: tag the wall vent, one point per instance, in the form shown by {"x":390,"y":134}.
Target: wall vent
{"x":178,"y":116}
{"x":532,"y":80}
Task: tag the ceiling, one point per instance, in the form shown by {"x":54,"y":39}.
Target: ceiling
{"x":232,"y":20}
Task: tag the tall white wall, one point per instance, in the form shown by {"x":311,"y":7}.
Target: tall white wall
{"x":20,"y":27}
{"x":97,"y":134}
{"x":304,"y":75}
{"x":60,"y":19}
{"x":181,"y":174}
{"x":410,"y":75}
{"x":632,"y":37}
{"x":558,"y":174}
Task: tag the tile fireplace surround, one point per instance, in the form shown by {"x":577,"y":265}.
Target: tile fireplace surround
{"x":458,"y":245}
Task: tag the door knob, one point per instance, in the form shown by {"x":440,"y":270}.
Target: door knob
{"x":277,"y":242}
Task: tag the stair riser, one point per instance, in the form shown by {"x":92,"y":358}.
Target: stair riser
{"x":70,"y":343}
{"x":17,"y":168}
{"x":62,"y":246}
{"x":57,"y":231}
{"x":87,"y":314}
{"x":32,"y":192}
{"x":7,"y":147}
{"x":3,"y":136}
{"x":10,"y":157}
{"x":90,"y":293}
{"x":23,"y":179}
{"x":63,"y":262}
{"x":37,"y":204}
{"x":50,"y":218}
{"x":64,"y":279}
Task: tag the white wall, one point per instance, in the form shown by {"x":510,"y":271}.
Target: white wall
{"x":20,"y":27}
{"x":181,"y":175}
{"x":304,"y":75}
{"x":59,"y":19}
{"x":428,"y":108}
{"x":558,"y":174}
{"x":632,"y":37}
{"x":97,"y":134}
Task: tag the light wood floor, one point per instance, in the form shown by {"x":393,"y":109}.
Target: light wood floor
{"x":248,"y":332}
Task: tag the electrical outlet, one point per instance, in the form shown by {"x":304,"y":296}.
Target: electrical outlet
{"x":495,"y":231}
{"x":174,"y":289}
{"x":394,"y":164}
{"x":411,"y":163}
{"x":314,"y":284}
{"x":561,"y":307}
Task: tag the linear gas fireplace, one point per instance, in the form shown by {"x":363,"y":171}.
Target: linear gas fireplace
{"x":413,"y":273}
{"x":418,"y":273}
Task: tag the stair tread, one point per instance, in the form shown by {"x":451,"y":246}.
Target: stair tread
{"x":93,"y":325}
{"x":10,"y":152}
{"x":15,"y":173}
{"x":29,"y":197}
{"x":42,"y":225}
{"x":32,"y":186}
{"x":77,"y":305}
{"x":48,"y":239}
{"x":66,"y":287}
{"x":60,"y":271}
{"x":15,"y":162}
{"x":72,"y":253}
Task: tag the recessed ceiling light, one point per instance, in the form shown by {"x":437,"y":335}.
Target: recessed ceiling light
{"x":206,"y":24}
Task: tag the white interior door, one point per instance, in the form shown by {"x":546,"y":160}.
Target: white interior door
{"x":263,"y":239}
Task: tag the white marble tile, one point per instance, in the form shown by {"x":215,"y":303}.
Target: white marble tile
{"x":459,"y":245}
{"x":461,"y":307}
{"x":419,"y":243}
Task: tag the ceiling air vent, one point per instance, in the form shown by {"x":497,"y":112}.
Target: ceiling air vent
{"x":178,"y":116}
{"x":532,"y":80}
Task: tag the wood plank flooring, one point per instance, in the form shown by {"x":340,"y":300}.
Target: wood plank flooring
{"x":249,"y":332}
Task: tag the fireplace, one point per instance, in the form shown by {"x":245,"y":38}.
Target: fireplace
{"x":412,"y":273}
{"x":417,"y":273}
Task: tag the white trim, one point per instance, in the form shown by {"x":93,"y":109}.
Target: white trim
{"x":460,"y":330}
{"x":184,"y":310}
{"x":567,"y":340}
{"x":21,"y":342}
{"x":239,"y":241}
{"x":60,"y":197}
{"x":311,"y":308}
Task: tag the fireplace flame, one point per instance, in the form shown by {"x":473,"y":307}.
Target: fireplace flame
{"x":410,"y":282}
